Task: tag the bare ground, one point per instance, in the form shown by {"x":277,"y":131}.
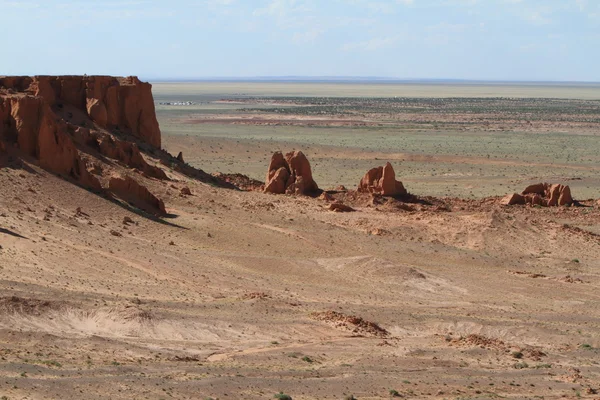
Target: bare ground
{"x":242,"y":295}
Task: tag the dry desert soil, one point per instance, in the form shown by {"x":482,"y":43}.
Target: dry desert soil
{"x":238,"y":294}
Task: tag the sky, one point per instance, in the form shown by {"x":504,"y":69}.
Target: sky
{"x":527,"y":40}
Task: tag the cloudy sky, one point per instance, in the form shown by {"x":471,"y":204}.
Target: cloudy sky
{"x":557,"y":40}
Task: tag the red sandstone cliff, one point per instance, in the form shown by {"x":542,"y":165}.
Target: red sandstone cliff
{"x":52,"y":118}
{"x":123,"y":103}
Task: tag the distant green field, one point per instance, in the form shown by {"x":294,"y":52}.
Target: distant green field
{"x":215,"y":90}
{"x":441,"y":159}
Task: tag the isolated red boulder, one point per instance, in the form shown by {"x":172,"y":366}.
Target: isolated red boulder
{"x":381,"y":180}
{"x":290,"y":174}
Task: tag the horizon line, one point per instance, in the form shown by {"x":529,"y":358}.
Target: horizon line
{"x":357,"y":79}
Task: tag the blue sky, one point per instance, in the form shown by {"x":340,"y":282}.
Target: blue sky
{"x":458,"y":39}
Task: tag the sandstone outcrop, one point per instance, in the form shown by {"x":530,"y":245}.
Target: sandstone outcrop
{"x":117,"y":103}
{"x":68,"y":123}
{"x":290,"y":174}
{"x":129,"y":154}
{"x":541,"y":194}
{"x":382,"y":180}
{"x":131,"y":191}
{"x":29,"y":122}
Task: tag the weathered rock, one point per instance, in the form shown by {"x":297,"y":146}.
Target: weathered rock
{"x":186,"y":191}
{"x":129,"y":154}
{"x":278,"y":182}
{"x":512,"y":199}
{"x":381,"y":180}
{"x":31,"y":111}
{"x":97,"y":111}
{"x":565,"y":196}
{"x":300,"y":168}
{"x":340,"y":207}
{"x":180,"y":157}
{"x":124,"y":103}
{"x":541,"y":194}
{"x":131,"y":191}
{"x":538,"y":188}
{"x":290,"y":174}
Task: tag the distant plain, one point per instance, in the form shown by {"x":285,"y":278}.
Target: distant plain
{"x":464,"y":140}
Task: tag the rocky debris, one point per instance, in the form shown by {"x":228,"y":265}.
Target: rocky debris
{"x":241,"y":181}
{"x":127,"y":220}
{"x":474,"y":340}
{"x":290,"y":174}
{"x":354,"y":324}
{"x":131,"y":191}
{"x":256,"y":295}
{"x":116,"y":233}
{"x":326,"y":196}
{"x":541,"y":194}
{"x":185,"y":191}
{"x":565,"y":279}
{"x":129,"y":154}
{"x":111,"y":102}
{"x":180,"y":157}
{"x":512,"y":199}
{"x":382,"y":180}
{"x":340,"y":207}
{"x":28,"y":306}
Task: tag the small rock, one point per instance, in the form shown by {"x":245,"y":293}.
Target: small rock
{"x":115,"y":233}
{"x":186,"y":191}
{"x":339,"y":207}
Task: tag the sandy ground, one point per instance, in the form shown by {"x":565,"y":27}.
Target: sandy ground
{"x":242,"y":295}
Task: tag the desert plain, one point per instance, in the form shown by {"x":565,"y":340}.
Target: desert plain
{"x":233,"y":293}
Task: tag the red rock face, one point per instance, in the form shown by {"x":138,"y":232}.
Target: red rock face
{"x":129,"y":190}
{"x":381,"y":180}
{"x":124,"y":103}
{"x":290,"y":174}
{"x":28,"y":119}
{"x":29,"y":122}
{"x":541,"y":194}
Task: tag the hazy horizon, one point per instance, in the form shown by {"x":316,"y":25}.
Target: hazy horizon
{"x":357,"y":79}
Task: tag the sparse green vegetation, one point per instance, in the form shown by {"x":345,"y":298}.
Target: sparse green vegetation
{"x":282,"y":396}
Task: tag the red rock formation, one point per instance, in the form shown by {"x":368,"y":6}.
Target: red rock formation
{"x":512,"y":199}
{"x":381,"y":180}
{"x":541,"y":194}
{"x":30,"y":117}
{"x":29,"y":122}
{"x":129,"y":154}
{"x":290,"y":174}
{"x":129,"y":190}
{"x":124,"y":103}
